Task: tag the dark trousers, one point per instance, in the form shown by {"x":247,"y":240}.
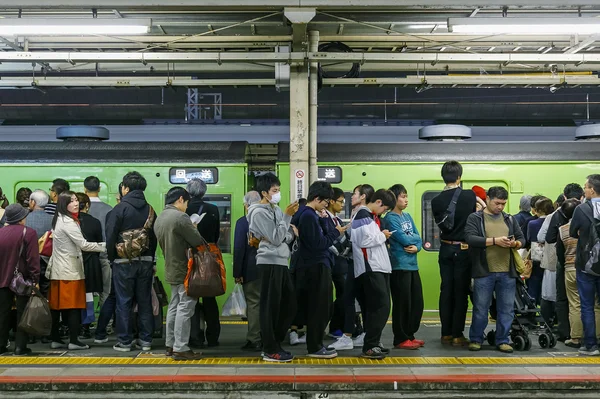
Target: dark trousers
{"x":373,"y":294}
{"x":73,"y":319}
{"x":562,"y":303}
{"x":455,"y":271}
{"x":534,"y":283}
{"x":107,"y":312}
{"x":210,"y":310}
{"x":407,"y":297}
{"x":548,"y":311}
{"x":349,"y":301}
{"x":299,"y":319}
{"x":277,"y":305}
{"x":44,"y":282}
{"x":339,"y":307}
{"x":7,"y":298}
{"x":317,"y":293}
{"x":133,"y":282}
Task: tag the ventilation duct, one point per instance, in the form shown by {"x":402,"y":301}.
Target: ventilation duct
{"x":82,"y":133}
{"x":445,"y":133}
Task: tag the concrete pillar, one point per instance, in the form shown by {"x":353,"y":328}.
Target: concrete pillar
{"x":299,"y":135}
{"x":313,"y":39}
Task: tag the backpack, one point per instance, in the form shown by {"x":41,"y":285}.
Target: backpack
{"x":134,"y":242}
{"x":592,"y":246}
{"x":446,"y":221}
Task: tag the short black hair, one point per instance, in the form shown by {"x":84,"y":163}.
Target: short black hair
{"x":134,"y":181}
{"x":568,"y":207}
{"x":175,"y":193}
{"x":594,"y":181}
{"x":398,"y":189}
{"x":573,"y":190}
{"x":321,"y":190}
{"x":451,"y":171}
{"x":367,"y":190}
{"x":337,"y":193}
{"x":60,"y":185}
{"x":92,"y":184}
{"x":386,"y":197}
{"x":265,"y":182}
{"x":497,"y":192}
{"x":560,"y":200}
{"x":535,"y":199}
{"x":301,"y":201}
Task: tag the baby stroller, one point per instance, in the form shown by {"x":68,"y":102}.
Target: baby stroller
{"x":527,"y":320}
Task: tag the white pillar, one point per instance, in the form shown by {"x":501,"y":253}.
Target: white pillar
{"x":299,"y":126}
{"x":313,"y":37}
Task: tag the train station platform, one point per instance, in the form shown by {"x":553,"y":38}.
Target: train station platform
{"x":226,"y":371}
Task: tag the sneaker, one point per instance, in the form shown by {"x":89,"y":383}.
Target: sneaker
{"x":296,"y":339}
{"x":360,"y":340}
{"x":460,"y":341}
{"x":343,"y":343}
{"x":101,"y":341}
{"x":474,"y":346}
{"x":122,"y":347}
{"x":336,"y":334}
{"x":408,"y":344}
{"x":573,"y":344}
{"x":279,"y":357}
{"x":78,"y":346}
{"x":57,"y":345}
{"x":505,"y":348}
{"x":593,"y":351}
{"x":373,"y":353}
{"x":324,"y":353}
{"x":384,"y":350}
{"x":144,"y":346}
{"x":419,"y":342}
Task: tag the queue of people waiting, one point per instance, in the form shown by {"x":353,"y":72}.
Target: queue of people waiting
{"x":288,"y":261}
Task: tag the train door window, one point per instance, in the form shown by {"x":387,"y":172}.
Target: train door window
{"x":429,"y":230}
{"x":76,"y":186}
{"x":223,"y":202}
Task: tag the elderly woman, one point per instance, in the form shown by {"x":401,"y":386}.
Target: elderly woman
{"x":66,"y":272}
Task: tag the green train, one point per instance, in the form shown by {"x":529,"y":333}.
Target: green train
{"x":521,"y":167}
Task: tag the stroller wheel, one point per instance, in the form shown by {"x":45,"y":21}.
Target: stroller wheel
{"x":552,"y":341}
{"x":544,"y":340}
{"x":491,"y":338}
{"x":527,"y":343}
{"x":520,"y":342}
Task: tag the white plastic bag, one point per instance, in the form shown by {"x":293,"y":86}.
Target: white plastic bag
{"x":235,"y":305}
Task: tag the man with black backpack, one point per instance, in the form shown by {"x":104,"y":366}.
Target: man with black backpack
{"x":584,"y":226}
{"x":131,"y":246}
{"x":451,"y":208}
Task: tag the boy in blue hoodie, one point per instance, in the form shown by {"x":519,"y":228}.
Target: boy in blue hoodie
{"x":405,"y":282}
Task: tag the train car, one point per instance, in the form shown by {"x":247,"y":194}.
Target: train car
{"x":522,"y":168}
{"x":222,"y":165}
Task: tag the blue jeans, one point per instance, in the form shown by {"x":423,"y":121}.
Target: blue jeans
{"x":534,"y":283}
{"x":106,"y":312}
{"x":588,"y":287}
{"x":504,"y":286}
{"x":133,"y":282}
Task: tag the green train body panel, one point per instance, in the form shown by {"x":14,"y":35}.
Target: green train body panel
{"x":520,"y":178}
{"x":232,"y":180}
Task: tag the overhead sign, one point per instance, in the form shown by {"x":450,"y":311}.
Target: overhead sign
{"x":299,"y":186}
{"x":184,"y":175}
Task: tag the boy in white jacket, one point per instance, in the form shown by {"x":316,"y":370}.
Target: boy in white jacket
{"x":372,"y":269}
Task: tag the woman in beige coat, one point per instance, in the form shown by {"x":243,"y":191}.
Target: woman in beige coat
{"x":65,"y":271}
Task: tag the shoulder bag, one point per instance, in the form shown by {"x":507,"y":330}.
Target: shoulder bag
{"x":18,"y":284}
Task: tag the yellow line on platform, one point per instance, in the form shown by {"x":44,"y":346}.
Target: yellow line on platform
{"x":156,"y":360}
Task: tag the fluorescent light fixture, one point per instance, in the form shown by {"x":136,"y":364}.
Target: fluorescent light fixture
{"x":73,"y":27}
{"x":524,"y":26}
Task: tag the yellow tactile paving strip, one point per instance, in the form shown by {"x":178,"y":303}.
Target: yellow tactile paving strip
{"x":300,"y":361}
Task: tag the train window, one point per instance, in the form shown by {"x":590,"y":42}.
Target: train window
{"x":330,"y":174}
{"x":223,"y":202}
{"x":429,"y":230}
{"x":184,"y":175}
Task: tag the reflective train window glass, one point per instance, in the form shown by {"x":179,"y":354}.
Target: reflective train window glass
{"x":429,"y":230}
{"x":184,"y":175}
{"x":223,"y":202}
{"x":330,"y":174}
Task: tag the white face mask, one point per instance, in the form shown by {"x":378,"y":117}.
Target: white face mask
{"x":275,"y":198}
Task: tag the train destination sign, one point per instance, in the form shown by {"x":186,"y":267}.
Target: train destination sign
{"x":184,"y":175}
{"x":330,"y":174}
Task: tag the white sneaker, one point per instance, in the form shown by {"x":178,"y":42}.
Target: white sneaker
{"x":77,"y":347}
{"x":343,"y":343}
{"x":101,"y":341}
{"x":144,"y":346}
{"x":57,"y":345}
{"x":295,"y":339}
{"x":360,"y":340}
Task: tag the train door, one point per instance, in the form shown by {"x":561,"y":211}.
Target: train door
{"x":76,"y":186}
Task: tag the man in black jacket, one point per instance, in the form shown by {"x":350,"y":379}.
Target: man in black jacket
{"x":491,"y":235}
{"x":210,"y":229}
{"x":132,"y":278}
{"x":587,"y":284}
{"x":455,"y":266}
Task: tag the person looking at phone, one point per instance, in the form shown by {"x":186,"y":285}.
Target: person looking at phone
{"x":492,"y":235}
{"x":271,"y":225}
{"x":405,"y":281}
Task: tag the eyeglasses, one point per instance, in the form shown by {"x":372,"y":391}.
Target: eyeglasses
{"x":341,"y":201}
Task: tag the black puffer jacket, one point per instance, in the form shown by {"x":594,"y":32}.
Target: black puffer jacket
{"x":475,"y":237}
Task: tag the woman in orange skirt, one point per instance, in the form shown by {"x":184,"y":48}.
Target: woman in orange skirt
{"x":65,"y":271}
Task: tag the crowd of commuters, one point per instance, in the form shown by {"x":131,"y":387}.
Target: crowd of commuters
{"x":289,"y":261}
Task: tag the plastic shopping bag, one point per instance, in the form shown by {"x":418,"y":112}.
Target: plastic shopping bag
{"x":235,"y":305}
{"x":36,"y":319}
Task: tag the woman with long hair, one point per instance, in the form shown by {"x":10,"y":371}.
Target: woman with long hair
{"x":66,"y":272}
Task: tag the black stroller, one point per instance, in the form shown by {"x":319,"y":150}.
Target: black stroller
{"x":528,"y":320}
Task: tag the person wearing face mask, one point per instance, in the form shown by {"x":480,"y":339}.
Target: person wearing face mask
{"x":271,"y":227}
{"x":66,"y":271}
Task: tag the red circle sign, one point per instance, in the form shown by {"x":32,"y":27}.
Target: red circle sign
{"x":427,"y":245}
{"x":299,"y":174}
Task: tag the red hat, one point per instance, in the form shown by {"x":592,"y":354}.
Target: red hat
{"x":480,"y":192}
